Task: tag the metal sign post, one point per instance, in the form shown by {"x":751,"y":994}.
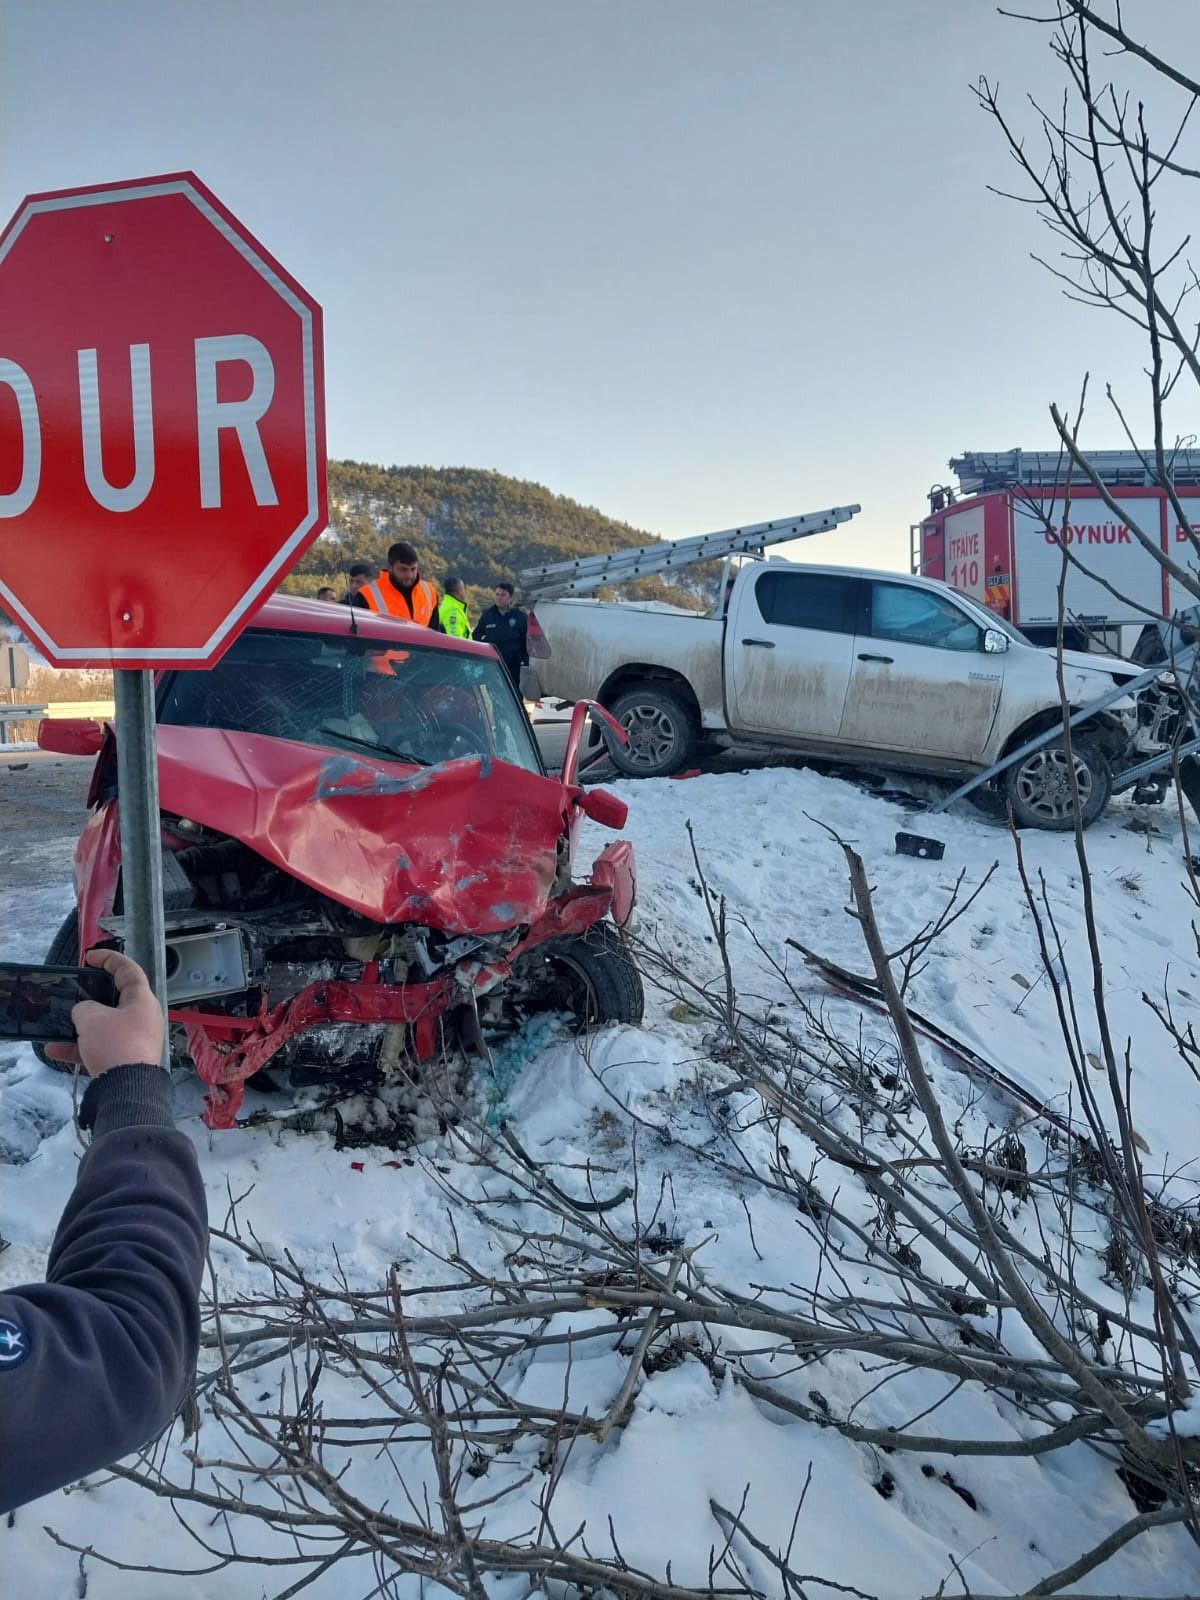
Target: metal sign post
{"x":14,"y":667}
{"x":14,"y":675}
{"x":141,"y":842}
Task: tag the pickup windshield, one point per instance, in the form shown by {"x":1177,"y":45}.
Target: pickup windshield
{"x":414,"y":705}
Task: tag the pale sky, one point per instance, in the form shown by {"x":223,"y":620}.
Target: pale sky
{"x":694,"y":262}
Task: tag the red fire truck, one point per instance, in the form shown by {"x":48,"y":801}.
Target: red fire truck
{"x":999,"y":537}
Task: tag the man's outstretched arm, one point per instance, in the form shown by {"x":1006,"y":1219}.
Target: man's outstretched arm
{"x":94,"y":1361}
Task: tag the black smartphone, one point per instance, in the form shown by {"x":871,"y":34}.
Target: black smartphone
{"x":35,"y":1002}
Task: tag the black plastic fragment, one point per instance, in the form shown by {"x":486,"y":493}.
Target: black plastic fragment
{"x":916,"y":844}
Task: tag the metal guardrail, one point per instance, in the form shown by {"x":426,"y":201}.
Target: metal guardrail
{"x":1132,"y":687}
{"x":18,"y":714}
{"x":1181,"y":668}
{"x":1147,"y":769}
{"x":97,"y":710}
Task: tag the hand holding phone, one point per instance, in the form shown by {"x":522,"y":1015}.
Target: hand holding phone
{"x":115,"y":1036}
{"x":36,"y":1002}
{"x":102,"y":1014}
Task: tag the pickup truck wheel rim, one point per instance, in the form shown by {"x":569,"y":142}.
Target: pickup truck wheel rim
{"x":651,"y":735}
{"x":1044,"y":784}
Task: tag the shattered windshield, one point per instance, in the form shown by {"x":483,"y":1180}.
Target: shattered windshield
{"x":419,"y":706}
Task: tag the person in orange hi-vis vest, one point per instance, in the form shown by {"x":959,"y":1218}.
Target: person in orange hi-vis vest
{"x":401,"y":591}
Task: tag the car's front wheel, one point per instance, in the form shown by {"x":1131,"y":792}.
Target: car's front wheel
{"x":1041,"y":792}
{"x":1189,"y":781}
{"x":593,"y":977}
{"x":63,"y":952}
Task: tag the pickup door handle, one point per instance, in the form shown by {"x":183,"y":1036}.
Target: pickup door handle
{"x":763,"y":644}
{"x":887,"y":660}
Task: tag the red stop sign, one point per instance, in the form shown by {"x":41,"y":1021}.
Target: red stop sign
{"x":162,"y":430}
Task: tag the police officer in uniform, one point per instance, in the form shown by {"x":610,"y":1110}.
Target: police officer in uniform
{"x":503,"y":626}
{"x":453,"y":610}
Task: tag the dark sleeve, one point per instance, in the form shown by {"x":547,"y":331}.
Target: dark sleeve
{"x":435,"y":622}
{"x":359,"y":599}
{"x":94,"y":1361}
{"x":480,"y":629}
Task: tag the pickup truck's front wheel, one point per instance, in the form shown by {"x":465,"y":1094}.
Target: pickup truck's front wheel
{"x":1040,"y":791}
{"x":662,"y":733}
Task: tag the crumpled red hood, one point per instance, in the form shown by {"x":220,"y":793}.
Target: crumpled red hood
{"x":465,"y":846}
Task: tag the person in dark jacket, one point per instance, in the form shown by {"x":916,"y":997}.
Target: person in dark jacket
{"x":360,"y":573}
{"x":503,"y":626}
{"x":95,"y":1361}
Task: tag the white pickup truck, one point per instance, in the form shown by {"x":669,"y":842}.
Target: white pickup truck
{"x":877,"y":669}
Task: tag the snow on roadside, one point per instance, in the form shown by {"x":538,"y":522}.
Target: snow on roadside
{"x":33,"y":1101}
{"x":761,"y":844}
{"x":873,"y":1520}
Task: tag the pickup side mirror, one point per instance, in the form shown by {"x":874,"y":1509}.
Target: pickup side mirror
{"x":995,"y":641}
{"x":70,"y":736}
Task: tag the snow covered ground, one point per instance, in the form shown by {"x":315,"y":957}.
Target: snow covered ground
{"x":889,"y":1524}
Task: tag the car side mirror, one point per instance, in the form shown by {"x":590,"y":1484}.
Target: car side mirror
{"x":70,"y":736}
{"x":995,"y":641}
{"x":604,"y":808}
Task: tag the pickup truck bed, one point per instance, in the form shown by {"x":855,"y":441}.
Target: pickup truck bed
{"x":598,"y":645}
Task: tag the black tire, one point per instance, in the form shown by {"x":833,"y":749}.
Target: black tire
{"x":663,"y":731}
{"x":592,"y":976}
{"x":1189,"y":781}
{"x":989,"y":803}
{"x":1040,"y":792}
{"x":63,"y":952}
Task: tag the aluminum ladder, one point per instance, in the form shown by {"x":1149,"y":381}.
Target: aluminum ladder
{"x":589,"y":573}
{"x":985,"y":471}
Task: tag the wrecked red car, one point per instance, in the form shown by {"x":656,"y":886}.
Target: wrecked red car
{"x":365,"y":864}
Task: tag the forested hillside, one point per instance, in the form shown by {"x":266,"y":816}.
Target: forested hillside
{"x":480,"y":526}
